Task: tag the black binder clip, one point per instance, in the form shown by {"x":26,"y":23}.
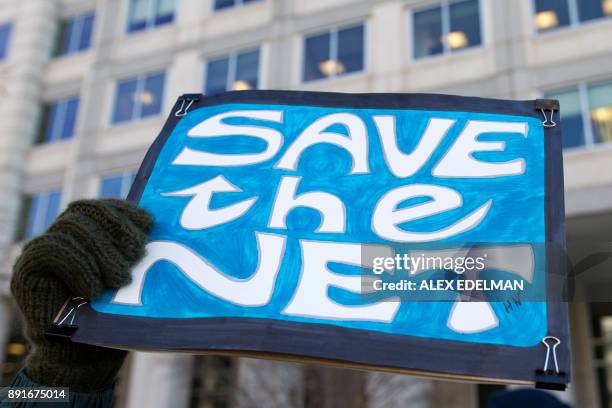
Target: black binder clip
{"x":547,"y":378}
{"x":548,"y":107}
{"x":62,"y":328}
{"x":186,"y":101}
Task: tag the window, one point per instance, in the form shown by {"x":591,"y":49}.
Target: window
{"x":146,"y":14}
{"x":58,"y":120}
{"x":213,"y":383}
{"x":586,"y":114}
{"x":39,"y":211}
{"x":139,"y":97}
{"x":75,"y":34}
{"x":117,"y":186}
{"x":334,"y":53}
{"x":447,"y":28}
{"x":5,"y":37}
{"x":234,"y":72}
{"x":554,"y":14}
{"x":223,"y":4}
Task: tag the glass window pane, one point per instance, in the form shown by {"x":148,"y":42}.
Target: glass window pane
{"x":247,"y":71}
{"x":464,"y":25}
{"x":428,"y":32}
{"x":50,"y":124}
{"x":222,"y":4}
{"x":551,"y":14}
{"x":124,"y":101}
{"x":70,"y":114}
{"x":34,"y":204}
{"x":317,"y":58}
{"x":592,"y":9}
{"x":165,"y":12}
{"x":350,"y":50}
{"x":127,"y":179}
{"x":111,"y":187}
{"x":139,"y":15}
{"x":152,"y":94}
{"x":600,"y":103}
{"x":572,"y":126}
{"x":216,"y":76}
{"x":5,"y":36}
{"x":54,"y":199}
{"x":65,"y":36}
{"x":43,"y":124}
{"x":86,"y":32}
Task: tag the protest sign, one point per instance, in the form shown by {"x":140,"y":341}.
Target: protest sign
{"x":273,"y":211}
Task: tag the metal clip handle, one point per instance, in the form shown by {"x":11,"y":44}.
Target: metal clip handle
{"x":554,"y":352}
{"x":548,"y":122}
{"x":184,"y":108}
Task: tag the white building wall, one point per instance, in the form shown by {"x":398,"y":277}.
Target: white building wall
{"x":513,"y":62}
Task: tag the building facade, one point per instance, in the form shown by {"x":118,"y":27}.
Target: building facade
{"x":85,"y":86}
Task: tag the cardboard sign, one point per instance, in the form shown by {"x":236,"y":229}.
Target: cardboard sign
{"x":265,"y":203}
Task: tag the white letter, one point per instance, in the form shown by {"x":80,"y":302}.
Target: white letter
{"x":311,"y":298}
{"x":459,"y":160}
{"x":197,"y":214}
{"x":405,"y":165}
{"x":386,"y":215}
{"x":356,"y":143}
{"x":330,"y":207}
{"x":254,"y":291}
{"x":214,"y":127}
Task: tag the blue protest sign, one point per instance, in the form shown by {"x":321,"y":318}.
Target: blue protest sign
{"x":272,"y":208}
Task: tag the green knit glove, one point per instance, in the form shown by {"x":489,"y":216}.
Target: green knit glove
{"x":90,"y":247}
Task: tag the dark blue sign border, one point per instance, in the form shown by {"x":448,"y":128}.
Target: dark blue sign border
{"x":351,"y":347}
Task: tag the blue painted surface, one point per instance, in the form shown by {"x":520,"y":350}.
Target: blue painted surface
{"x":517,"y":215}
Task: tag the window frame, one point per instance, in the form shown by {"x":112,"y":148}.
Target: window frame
{"x":237,"y":4}
{"x":150,"y":20}
{"x":333,"y":32}
{"x":40,"y":216}
{"x":574,"y":19}
{"x":57,"y":125}
{"x":127,"y":179}
{"x":582,"y":88}
{"x":137,"y":109}
{"x":444,"y":5}
{"x":74,"y":40}
{"x":232,"y":57}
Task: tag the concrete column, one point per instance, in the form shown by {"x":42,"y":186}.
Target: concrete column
{"x":21,"y":84}
{"x":160,"y":380}
{"x":386,"y":26}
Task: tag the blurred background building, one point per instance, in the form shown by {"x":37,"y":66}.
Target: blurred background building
{"x":85,"y":87}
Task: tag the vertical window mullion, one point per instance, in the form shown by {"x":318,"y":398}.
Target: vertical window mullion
{"x":75,"y":34}
{"x":140,"y":81}
{"x":589,"y":135}
{"x":231,"y":71}
{"x":41,"y":213}
{"x":151,"y":14}
{"x":124,"y":184}
{"x":333,"y":51}
{"x":573,"y":12}
{"x":58,"y":122}
{"x":445,"y":26}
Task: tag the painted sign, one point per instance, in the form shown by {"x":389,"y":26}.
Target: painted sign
{"x":267,"y":203}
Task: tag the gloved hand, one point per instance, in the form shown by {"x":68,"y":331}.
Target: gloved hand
{"x":90,"y":247}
